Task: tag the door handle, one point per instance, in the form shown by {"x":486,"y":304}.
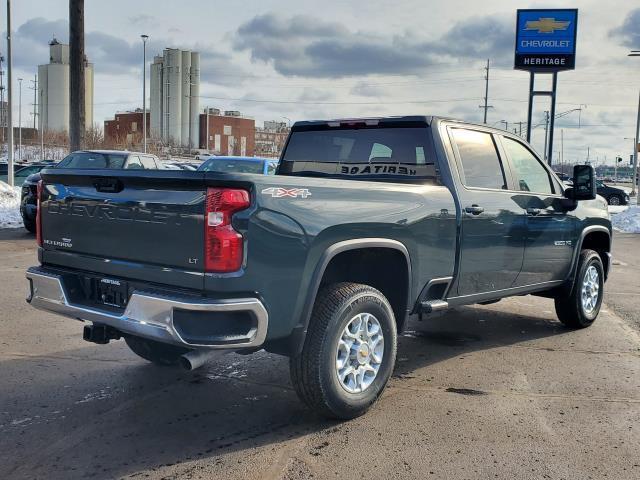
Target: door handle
{"x":474,"y":209}
{"x":533,"y":211}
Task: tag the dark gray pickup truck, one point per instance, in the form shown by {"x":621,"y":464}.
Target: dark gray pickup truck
{"x":366,"y":223}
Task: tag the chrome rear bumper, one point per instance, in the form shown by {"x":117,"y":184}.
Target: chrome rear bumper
{"x":148,"y":314}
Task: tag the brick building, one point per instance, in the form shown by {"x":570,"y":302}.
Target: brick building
{"x":125,"y":128}
{"x":229,"y":133}
{"x":270,"y":139}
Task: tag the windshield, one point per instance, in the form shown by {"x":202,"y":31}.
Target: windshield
{"x":93,"y":160}
{"x":232,"y":165}
{"x":362,"y":152}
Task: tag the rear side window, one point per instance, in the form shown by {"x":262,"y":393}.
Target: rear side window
{"x":480,"y":161}
{"x":134,"y":163}
{"x":365,"y":153}
{"x":530,"y":175}
{"x":148,"y":162}
{"x":92,"y":160}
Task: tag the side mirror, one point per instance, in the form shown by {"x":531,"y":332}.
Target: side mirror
{"x":584,"y":183}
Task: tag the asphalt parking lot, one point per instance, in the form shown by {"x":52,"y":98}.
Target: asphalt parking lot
{"x":498,"y":391}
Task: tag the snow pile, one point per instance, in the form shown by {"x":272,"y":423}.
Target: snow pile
{"x":9,"y":206}
{"x":627,"y":221}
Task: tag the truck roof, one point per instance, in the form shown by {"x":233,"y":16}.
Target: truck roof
{"x":407,"y":121}
{"x":113,"y":152}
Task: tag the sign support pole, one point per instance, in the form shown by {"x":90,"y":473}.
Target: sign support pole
{"x":530,"y":112}
{"x":552,"y":120}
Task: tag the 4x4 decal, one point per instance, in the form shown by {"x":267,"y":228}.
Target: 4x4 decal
{"x":279,"y":192}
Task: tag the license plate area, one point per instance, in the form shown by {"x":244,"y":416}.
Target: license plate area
{"x":111,"y":292}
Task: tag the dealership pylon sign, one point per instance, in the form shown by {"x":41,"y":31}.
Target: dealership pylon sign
{"x":546,"y":40}
{"x":545,"y":43}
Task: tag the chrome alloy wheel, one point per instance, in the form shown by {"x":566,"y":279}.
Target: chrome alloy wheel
{"x":359,"y":353}
{"x":590,"y":289}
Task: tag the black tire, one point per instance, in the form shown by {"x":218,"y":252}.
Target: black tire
{"x":569,"y":307}
{"x":30,"y":226}
{"x":155,"y":352}
{"x":313,"y":372}
{"x":614,"y":200}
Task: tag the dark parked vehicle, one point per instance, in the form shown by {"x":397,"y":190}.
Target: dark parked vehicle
{"x":366,"y":224}
{"x":266,"y":166}
{"x":84,"y":159}
{"x":20,"y":171}
{"x":613,"y":195}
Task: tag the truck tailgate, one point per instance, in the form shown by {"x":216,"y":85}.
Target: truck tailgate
{"x":115,"y":223}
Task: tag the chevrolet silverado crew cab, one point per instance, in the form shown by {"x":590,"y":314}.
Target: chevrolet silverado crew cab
{"x":365,"y":224}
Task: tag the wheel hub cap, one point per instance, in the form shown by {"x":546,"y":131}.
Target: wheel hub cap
{"x":590,"y":289}
{"x":359,"y":353}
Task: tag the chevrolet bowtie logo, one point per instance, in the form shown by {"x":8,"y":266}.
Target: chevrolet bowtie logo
{"x":546,"y":25}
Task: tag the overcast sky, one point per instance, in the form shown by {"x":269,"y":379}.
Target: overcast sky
{"x":303,"y":60}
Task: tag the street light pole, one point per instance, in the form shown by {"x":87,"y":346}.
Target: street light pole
{"x":636,"y":53}
{"x":19,"y":119}
{"x":9,"y":100}
{"x":144,"y":92}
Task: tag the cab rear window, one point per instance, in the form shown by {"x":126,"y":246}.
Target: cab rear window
{"x":367,"y":153}
{"x":92,"y":160}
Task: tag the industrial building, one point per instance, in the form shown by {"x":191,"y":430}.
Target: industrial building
{"x":174,"y":97}
{"x":270,"y":138}
{"x":125,"y":129}
{"x":227,"y":133}
{"x":53,"y":90}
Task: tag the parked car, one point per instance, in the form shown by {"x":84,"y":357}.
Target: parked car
{"x":613,"y":195}
{"x":21,"y":171}
{"x":181,"y":165}
{"x":366,"y":223}
{"x":83,"y":159}
{"x":266,"y":166}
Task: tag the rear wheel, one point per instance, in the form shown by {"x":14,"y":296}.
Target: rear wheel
{"x":581,"y":306}
{"x":29,"y":225}
{"x":349,"y":351}
{"x":615,"y":200}
{"x":155,"y":352}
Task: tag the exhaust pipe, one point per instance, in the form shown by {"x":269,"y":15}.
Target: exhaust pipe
{"x":196,"y":358}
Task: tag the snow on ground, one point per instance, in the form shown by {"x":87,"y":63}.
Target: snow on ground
{"x":627,"y":221}
{"x":9,"y":206}
{"x":614,"y":209}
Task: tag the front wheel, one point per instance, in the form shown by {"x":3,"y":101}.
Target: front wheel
{"x":581,"y":306}
{"x":349,"y":351}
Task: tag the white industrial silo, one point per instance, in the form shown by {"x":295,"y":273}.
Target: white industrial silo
{"x":186,"y":94}
{"x":194,"y":101}
{"x":173,"y":94}
{"x":155,"y":97}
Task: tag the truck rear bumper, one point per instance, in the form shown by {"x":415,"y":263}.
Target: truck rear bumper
{"x":194,"y":322}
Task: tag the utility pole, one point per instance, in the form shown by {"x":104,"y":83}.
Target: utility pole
{"x":9,"y":101}
{"x":486,"y":105}
{"x":19,"y":119}
{"x":76,"y":75}
{"x":206,"y":112}
{"x":144,"y":92}
{"x":3,"y":107}
{"x":546,"y":135}
{"x":35,"y":99}
{"x":562,"y":150}
{"x":634,"y":171}
{"x":41,"y":130}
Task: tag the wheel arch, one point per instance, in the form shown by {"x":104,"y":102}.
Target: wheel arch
{"x":349,"y":251}
{"x":597,"y":238}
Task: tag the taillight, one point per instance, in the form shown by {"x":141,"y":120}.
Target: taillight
{"x":223,"y":246}
{"x":39,"y":215}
